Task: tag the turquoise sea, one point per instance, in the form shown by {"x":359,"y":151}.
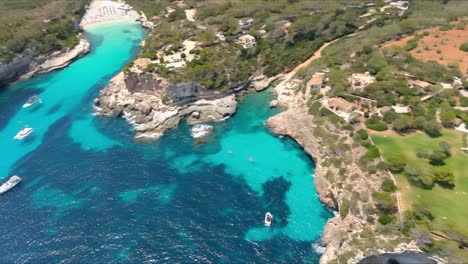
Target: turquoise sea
{"x":91,"y":195}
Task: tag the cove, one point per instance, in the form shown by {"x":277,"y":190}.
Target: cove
{"x":90,"y":194}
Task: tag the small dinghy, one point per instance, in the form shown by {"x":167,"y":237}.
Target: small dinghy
{"x":268,"y":219}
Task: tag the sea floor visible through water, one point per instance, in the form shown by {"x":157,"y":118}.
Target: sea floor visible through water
{"x":91,"y":195}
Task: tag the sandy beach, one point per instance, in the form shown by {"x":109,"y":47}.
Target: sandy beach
{"x":104,"y":11}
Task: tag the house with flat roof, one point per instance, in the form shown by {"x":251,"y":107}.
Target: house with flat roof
{"x":418,"y":83}
{"x":401,"y":109}
{"x":359,"y":81}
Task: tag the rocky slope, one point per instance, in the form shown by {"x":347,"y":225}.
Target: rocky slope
{"x":27,"y":65}
{"x":339,"y":179}
{"x":144,"y":101}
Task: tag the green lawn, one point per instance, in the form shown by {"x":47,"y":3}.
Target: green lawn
{"x":449,"y":206}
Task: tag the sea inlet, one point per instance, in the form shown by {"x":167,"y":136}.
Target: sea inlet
{"x":91,"y":195}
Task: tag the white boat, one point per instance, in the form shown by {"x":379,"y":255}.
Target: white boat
{"x":32,"y":100}
{"x":26,"y":131}
{"x":268,"y":219}
{"x":12,"y":182}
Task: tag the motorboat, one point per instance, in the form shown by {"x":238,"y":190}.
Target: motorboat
{"x":23,"y":133}
{"x":32,"y":100}
{"x":268,"y":219}
{"x":12,"y":182}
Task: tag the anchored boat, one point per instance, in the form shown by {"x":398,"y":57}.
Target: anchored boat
{"x":32,"y":100}
{"x":26,"y":131}
{"x":12,"y":182}
{"x":268,"y":219}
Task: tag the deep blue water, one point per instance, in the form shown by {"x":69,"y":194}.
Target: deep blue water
{"x":91,"y":195}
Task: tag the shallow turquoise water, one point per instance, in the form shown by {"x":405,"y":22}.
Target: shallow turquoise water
{"x":63,"y":92}
{"x":90,"y":194}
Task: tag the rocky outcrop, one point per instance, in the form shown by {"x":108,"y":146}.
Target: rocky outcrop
{"x":346,"y":188}
{"x":299,"y":125}
{"x":261,"y":82}
{"x":143,"y":100}
{"x":27,"y":65}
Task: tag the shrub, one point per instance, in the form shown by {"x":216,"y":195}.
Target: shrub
{"x":388,"y":185}
{"x":464,"y":47}
{"x":386,"y":202}
{"x":375,"y":124}
{"x":344,"y":208}
{"x":402,"y":124}
{"x":396,"y":164}
{"x":372,"y":153}
{"x":444,"y":176}
{"x":362,"y":134}
{"x":385,"y":219}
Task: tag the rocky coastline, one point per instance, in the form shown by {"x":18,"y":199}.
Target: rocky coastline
{"x":344,"y":233}
{"x":27,"y":66}
{"x":153,"y":105}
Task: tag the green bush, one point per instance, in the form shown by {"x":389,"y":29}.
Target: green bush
{"x":375,"y":124}
{"x":388,"y":185}
{"x":444,"y":176}
{"x":385,"y":219}
{"x":372,"y":153}
{"x":344,"y":208}
{"x":362,"y":134}
{"x":464,"y":47}
{"x":396,"y":164}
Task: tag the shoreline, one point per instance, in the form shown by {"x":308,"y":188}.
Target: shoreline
{"x":28,"y":68}
{"x":108,"y":22}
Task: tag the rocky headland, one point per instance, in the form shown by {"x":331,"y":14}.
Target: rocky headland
{"x":339,"y":180}
{"x":27,"y":65}
{"x":153,"y":105}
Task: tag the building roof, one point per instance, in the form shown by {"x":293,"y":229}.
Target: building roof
{"x":419,"y":83}
{"x":340,"y":104}
{"x":399,"y":109}
{"x":317,"y":78}
{"x":385,"y":109}
{"x":142,"y":63}
{"x":446,"y":85}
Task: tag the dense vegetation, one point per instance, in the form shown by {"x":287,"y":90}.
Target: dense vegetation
{"x":428,"y":164}
{"x":222,"y":64}
{"x":40,"y":25}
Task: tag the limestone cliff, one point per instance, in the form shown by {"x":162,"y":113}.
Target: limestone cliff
{"x":143,"y":100}
{"x":341,"y":182}
{"x":27,"y":65}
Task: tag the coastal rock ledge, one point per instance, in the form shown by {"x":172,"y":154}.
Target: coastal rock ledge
{"x":153,"y":105}
{"x":26,"y":66}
